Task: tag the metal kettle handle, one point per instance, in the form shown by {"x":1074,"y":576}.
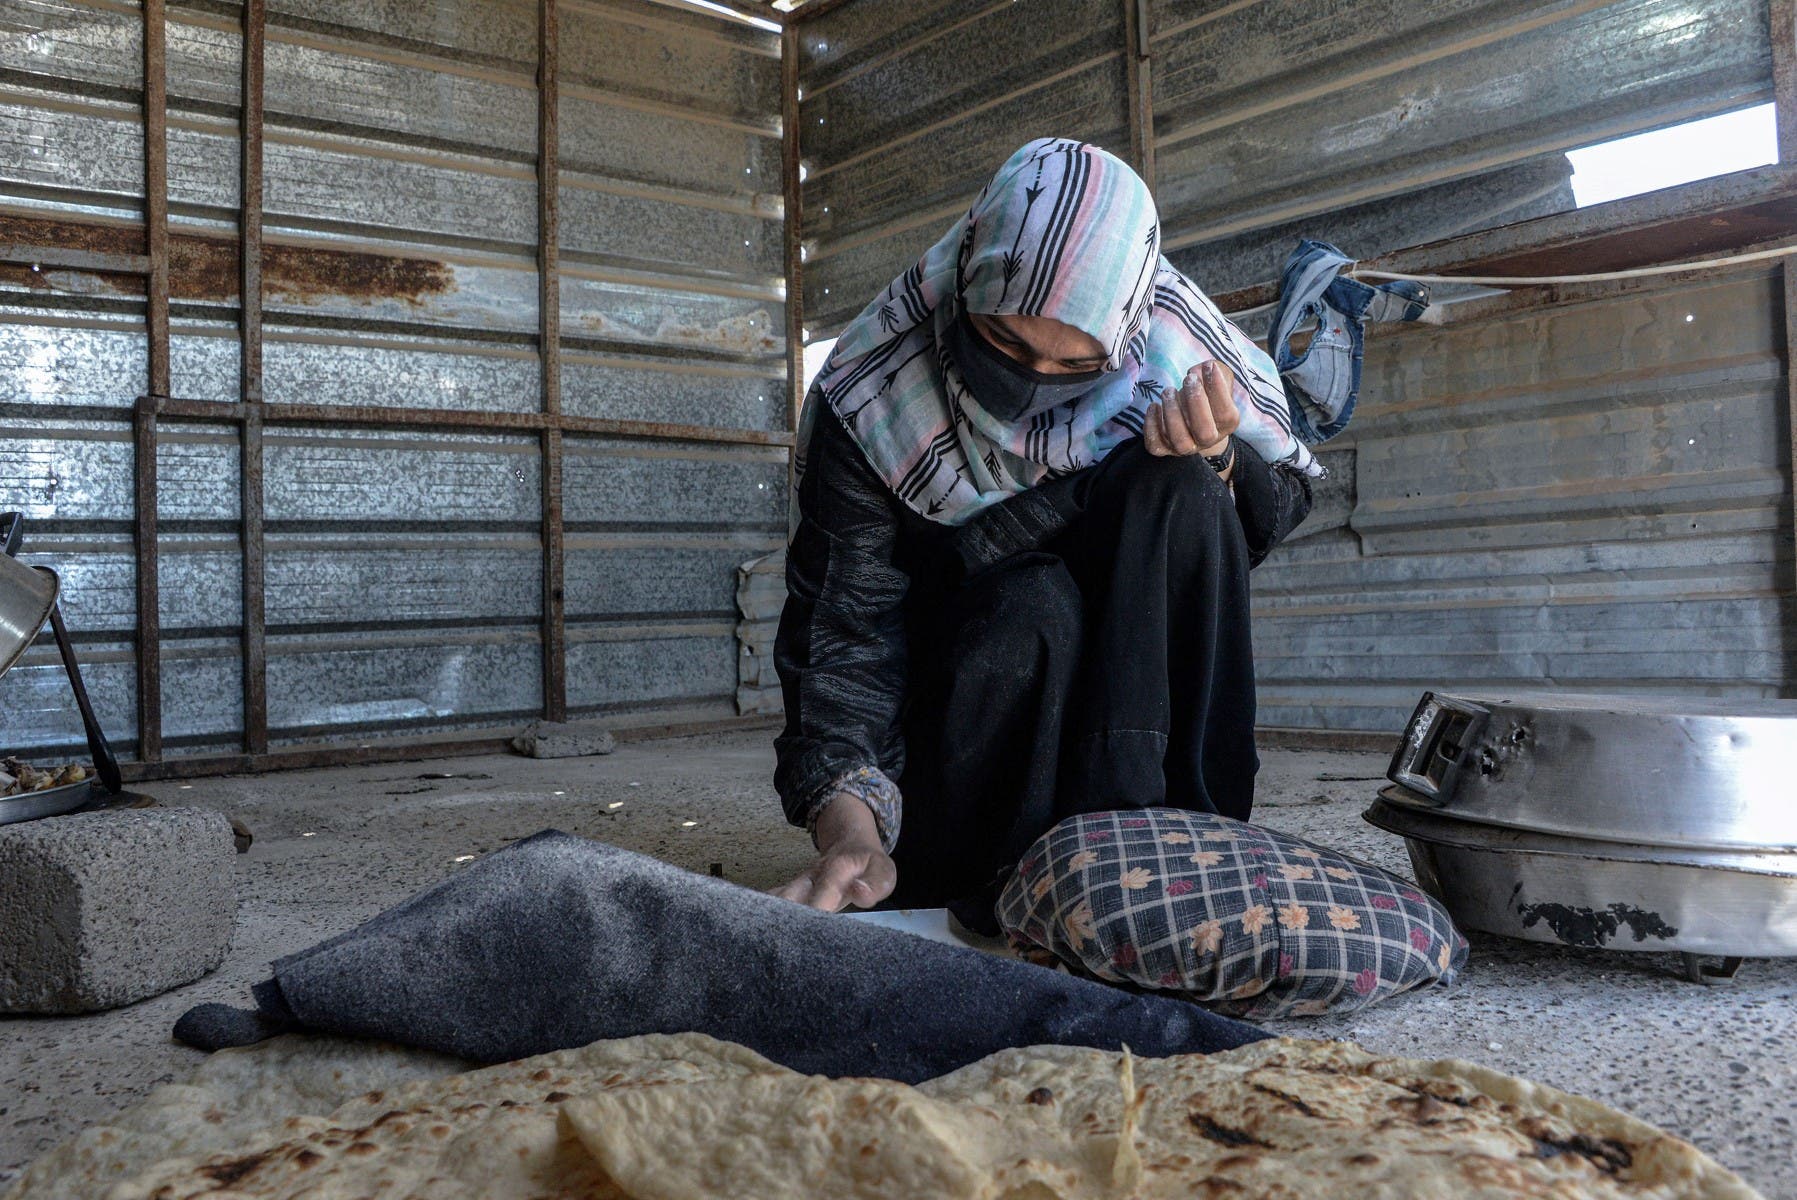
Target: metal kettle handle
{"x":106,"y":765}
{"x":14,"y":526}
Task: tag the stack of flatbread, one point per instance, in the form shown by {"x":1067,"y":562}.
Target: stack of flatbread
{"x":690,"y":1118}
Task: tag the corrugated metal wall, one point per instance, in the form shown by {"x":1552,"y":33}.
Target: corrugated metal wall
{"x":1377,"y":125}
{"x":1593,"y":495}
{"x":366,"y":485}
{"x":1587,"y":491}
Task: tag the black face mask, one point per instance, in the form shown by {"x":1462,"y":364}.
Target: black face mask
{"x":1005,"y":387}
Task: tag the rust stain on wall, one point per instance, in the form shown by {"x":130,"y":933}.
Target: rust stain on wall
{"x":207,"y":268}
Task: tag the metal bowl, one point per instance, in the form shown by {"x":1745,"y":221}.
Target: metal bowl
{"x":51,"y":802}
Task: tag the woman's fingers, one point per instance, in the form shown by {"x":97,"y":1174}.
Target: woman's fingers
{"x":1219,"y":391}
{"x":836,"y":881}
{"x":1196,"y":400}
{"x":1152,"y":437}
{"x":797,"y":891}
{"x":1176,"y":415}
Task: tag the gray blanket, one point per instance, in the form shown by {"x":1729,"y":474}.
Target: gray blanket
{"x":557,"y":941}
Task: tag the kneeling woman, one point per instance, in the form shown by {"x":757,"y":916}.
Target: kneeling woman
{"x":1033,"y":476}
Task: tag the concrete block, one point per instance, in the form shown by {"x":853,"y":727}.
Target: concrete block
{"x":547,"y":739}
{"x":105,"y":908}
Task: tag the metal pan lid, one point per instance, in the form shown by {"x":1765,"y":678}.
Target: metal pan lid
{"x":1703,"y":774}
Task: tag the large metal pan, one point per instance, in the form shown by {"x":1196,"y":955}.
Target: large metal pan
{"x":1598,"y":893}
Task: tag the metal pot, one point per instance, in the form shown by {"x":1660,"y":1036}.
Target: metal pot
{"x":27,"y":595}
{"x":27,"y":600}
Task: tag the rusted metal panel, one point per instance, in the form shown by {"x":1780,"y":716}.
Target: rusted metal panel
{"x":863,"y":31}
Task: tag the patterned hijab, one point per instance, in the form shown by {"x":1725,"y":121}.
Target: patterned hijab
{"x":1065,"y":230}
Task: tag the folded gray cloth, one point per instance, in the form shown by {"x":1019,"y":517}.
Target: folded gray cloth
{"x":557,"y":941}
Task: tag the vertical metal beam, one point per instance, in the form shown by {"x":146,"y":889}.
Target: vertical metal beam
{"x":1139,"y":86}
{"x":1784,"y":75}
{"x":549,"y":337}
{"x":793,"y":224}
{"x":249,"y":380}
{"x":149,"y":592}
{"x":1789,"y":273}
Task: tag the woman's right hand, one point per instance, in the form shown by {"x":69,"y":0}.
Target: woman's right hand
{"x":851,"y":868}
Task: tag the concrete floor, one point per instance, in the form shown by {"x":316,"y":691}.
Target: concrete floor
{"x":335,"y":846}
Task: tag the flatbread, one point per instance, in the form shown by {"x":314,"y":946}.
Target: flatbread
{"x":690,"y":1118}
{"x":231,"y":1096}
{"x":1277,"y":1120}
{"x":1289,"y":1119}
{"x":781,"y":1137}
{"x":486,"y":1133}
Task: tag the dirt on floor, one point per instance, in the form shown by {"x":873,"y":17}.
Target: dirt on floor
{"x":335,"y":846}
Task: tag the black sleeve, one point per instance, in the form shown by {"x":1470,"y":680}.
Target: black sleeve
{"x":1270,"y":500}
{"x":1017,"y":523}
{"x":840,"y":650}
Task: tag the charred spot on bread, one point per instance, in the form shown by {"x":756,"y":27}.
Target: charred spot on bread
{"x":231,"y":1170}
{"x":1296,"y":1102}
{"x":1040,"y":1095}
{"x":1223,"y":1134}
{"x":1606,"y":1154}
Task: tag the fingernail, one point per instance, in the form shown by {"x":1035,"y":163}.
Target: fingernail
{"x":1209,"y":369}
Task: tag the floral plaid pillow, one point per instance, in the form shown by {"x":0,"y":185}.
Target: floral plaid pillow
{"x":1252,"y":922}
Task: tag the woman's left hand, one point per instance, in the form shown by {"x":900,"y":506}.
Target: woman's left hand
{"x":1199,"y":418}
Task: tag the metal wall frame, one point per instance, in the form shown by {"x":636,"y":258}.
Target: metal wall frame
{"x":159,"y":411}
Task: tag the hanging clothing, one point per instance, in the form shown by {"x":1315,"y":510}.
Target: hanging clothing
{"x":1066,"y":231}
{"x":1079,"y":646}
{"x":1323,"y":380}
